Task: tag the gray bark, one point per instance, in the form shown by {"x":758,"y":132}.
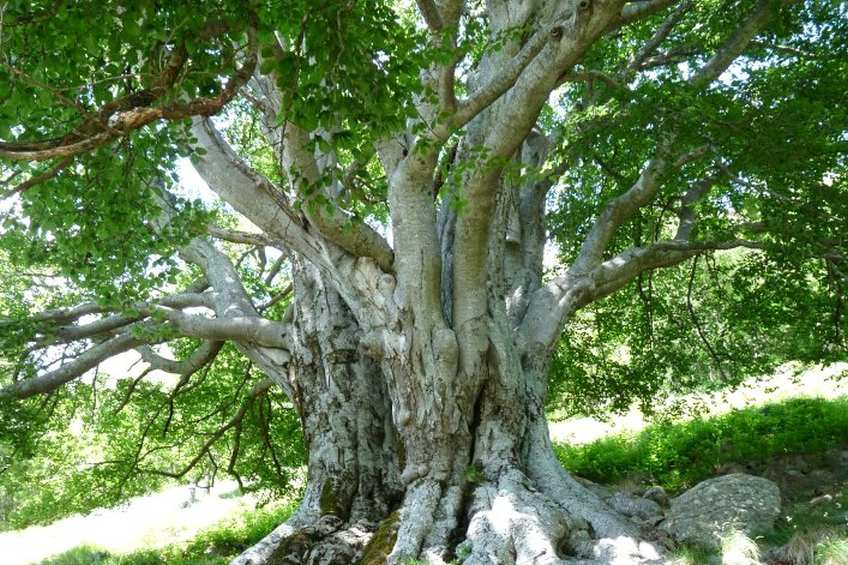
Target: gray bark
{"x":418,"y":368}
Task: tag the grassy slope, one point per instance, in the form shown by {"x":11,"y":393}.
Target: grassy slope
{"x":679,"y":455}
{"x":216,"y":546}
{"x":674,"y":455}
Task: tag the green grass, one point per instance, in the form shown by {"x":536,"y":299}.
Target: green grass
{"x":215,"y":546}
{"x":679,"y":455}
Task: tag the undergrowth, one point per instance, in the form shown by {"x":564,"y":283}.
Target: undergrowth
{"x":679,"y":455}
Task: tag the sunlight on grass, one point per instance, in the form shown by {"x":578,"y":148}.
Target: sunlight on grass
{"x":817,"y":545}
{"x":738,"y":549}
{"x":213,"y":546}
{"x":150,"y":522}
{"x":678,"y":455}
{"x":788,"y":382}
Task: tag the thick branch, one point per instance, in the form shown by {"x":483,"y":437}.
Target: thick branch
{"x":618,"y":211}
{"x":201,"y":356}
{"x":120,"y":122}
{"x":252,"y":329}
{"x":737,"y":43}
{"x":357,"y":238}
{"x":484,"y":96}
{"x":251,"y":194}
{"x":89,"y":359}
{"x":552,"y":305}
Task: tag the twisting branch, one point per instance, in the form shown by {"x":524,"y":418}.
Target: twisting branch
{"x":201,"y":356}
{"x":60,"y":326}
{"x":75,"y":368}
{"x":125,"y":115}
{"x":252,"y":329}
{"x":357,"y":238}
{"x":488,"y":93}
{"x":620,"y":209}
{"x":250,"y":193}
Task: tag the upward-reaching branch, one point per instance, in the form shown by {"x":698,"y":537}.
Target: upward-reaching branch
{"x":589,"y":278}
{"x":251,"y":194}
{"x":357,"y":238}
{"x":122,"y":117}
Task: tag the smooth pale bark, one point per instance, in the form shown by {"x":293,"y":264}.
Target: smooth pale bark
{"x":418,"y":368}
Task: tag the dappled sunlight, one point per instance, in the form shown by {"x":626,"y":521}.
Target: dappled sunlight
{"x":147,"y":522}
{"x":625,"y":550}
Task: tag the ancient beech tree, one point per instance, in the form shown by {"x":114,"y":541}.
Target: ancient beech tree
{"x":408,"y":164}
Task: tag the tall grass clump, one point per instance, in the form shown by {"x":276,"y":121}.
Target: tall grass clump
{"x":678,"y":455}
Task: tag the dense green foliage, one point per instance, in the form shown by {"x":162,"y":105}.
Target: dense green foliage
{"x":87,"y":447}
{"x":774,"y":128}
{"x":679,"y":455}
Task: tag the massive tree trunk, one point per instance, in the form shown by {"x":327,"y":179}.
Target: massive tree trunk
{"x":418,"y":366}
{"x":352,"y":472}
{"x":474,"y":480}
{"x":417,"y":451}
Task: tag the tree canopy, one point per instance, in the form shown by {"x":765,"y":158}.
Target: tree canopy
{"x":662,"y":184}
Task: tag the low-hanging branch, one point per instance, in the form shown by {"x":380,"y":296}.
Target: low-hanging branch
{"x":258,"y":390}
{"x":125,"y":115}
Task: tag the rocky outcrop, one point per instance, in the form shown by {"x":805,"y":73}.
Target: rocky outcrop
{"x":711,"y":508}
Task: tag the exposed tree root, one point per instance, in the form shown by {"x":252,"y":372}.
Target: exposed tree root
{"x":514,"y":523}
{"x":327,"y":541}
{"x":506,"y":521}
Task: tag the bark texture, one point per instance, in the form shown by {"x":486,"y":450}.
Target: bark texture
{"x":420,"y":367}
{"x":418,"y":362}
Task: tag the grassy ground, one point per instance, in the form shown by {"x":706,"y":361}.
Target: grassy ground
{"x":215,"y":546}
{"x":802,"y":444}
{"x":797,"y":442}
{"x":679,"y":455}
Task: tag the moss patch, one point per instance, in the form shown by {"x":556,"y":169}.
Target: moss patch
{"x":292,"y":549}
{"x":334,"y":500}
{"x":380,"y":546}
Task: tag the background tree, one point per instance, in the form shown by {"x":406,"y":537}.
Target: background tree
{"x":405,"y":167}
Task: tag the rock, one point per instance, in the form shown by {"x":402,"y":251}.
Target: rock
{"x":657,"y":494}
{"x":632,"y":507}
{"x":600,"y":491}
{"x":732,"y":502}
{"x":821,"y":499}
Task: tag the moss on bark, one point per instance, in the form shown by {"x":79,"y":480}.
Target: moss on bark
{"x":380,"y":546}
